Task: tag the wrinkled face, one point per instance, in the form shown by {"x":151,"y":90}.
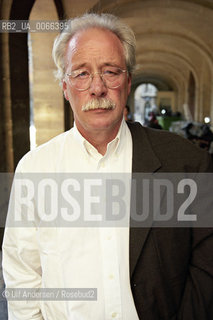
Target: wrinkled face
{"x":91,"y":51}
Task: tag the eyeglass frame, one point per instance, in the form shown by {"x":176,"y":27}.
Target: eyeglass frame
{"x":91,"y":76}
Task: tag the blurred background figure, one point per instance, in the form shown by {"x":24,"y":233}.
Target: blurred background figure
{"x":153,"y":122}
{"x":199,"y":134}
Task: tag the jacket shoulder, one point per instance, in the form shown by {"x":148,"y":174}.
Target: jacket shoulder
{"x":172,"y":149}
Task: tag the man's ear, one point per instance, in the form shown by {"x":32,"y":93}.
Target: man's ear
{"x":64,"y":87}
{"x":129,"y":82}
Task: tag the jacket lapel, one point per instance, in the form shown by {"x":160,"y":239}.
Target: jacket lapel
{"x":144,"y":161}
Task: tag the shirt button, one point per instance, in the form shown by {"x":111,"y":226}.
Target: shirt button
{"x":102,"y":164}
{"x":114,"y":314}
{"x":111,"y":276}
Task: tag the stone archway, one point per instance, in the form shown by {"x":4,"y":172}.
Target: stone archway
{"x":19,"y":79}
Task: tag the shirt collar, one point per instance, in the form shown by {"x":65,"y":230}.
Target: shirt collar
{"x":113,"y":146}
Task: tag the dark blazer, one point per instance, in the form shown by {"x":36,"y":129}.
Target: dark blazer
{"x":171,"y":269}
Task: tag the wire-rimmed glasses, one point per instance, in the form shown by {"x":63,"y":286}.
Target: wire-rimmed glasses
{"x":111,"y":76}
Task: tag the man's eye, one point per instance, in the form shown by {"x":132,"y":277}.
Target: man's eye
{"x":82,"y":74}
{"x":110,"y":72}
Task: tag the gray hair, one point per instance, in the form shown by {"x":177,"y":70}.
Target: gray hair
{"x":92,"y":20}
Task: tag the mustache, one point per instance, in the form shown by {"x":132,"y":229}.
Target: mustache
{"x":101,"y":103}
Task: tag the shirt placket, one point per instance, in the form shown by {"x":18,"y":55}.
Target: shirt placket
{"x":111,"y":276}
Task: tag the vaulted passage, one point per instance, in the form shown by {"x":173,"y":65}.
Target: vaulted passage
{"x":174,"y":55}
{"x":159,"y":273}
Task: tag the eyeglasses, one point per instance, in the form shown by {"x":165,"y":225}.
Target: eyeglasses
{"x":81,"y":79}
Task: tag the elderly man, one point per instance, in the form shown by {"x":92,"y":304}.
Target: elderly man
{"x":139,"y":273}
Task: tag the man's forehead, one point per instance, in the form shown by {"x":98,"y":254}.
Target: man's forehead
{"x":90,"y":42}
{"x":90,"y":35}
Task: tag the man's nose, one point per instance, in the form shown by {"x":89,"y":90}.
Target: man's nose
{"x":97,"y":87}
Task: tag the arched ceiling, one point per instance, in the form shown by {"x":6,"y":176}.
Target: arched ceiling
{"x":172,"y":35}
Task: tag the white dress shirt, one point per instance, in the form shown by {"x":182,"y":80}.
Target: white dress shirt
{"x":78,"y":257}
